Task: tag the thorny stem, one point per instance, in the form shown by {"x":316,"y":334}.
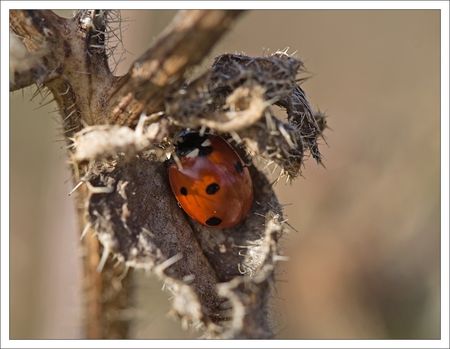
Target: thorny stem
{"x":184,"y":43}
{"x":68,"y":57}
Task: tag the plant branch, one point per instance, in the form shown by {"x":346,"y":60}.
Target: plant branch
{"x":63,"y":59}
{"x":68,"y":56}
{"x":183,"y":44}
{"x":221,"y":278}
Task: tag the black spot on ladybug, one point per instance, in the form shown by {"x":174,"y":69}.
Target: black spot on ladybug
{"x":213,"y":221}
{"x":212,"y":188}
{"x":205,"y":151}
{"x":238,"y":166}
{"x":183,"y":191}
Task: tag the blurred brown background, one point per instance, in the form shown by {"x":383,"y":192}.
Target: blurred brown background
{"x":365,"y":260}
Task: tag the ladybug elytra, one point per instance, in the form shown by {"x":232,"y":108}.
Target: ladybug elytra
{"x":210,"y":182}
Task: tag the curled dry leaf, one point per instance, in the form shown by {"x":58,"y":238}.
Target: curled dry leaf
{"x":239,"y":87}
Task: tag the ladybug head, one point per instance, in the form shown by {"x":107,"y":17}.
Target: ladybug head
{"x":187,"y":141}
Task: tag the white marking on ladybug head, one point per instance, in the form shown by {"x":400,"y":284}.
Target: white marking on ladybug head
{"x":193,"y":154}
{"x":206,"y":143}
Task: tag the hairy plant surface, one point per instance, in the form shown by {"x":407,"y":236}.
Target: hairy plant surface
{"x":121,"y":130}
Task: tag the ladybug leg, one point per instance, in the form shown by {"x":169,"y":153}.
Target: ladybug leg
{"x":177,"y":161}
{"x":234,"y":135}
{"x":235,"y":139}
{"x":246,"y":159}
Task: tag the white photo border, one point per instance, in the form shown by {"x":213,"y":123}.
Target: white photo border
{"x":443,"y":6}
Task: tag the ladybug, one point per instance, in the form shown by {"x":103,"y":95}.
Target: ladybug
{"x":210,"y":181}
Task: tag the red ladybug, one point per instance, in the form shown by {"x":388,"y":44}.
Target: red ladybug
{"x":210,"y":182}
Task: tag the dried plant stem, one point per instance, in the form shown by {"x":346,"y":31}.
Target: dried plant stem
{"x":108,"y":294}
{"x":68,"y":56}
{"x":184,"y":43}
{"x":221,"y":279}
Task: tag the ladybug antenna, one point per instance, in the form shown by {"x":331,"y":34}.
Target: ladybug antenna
{"x":177,"y":161}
